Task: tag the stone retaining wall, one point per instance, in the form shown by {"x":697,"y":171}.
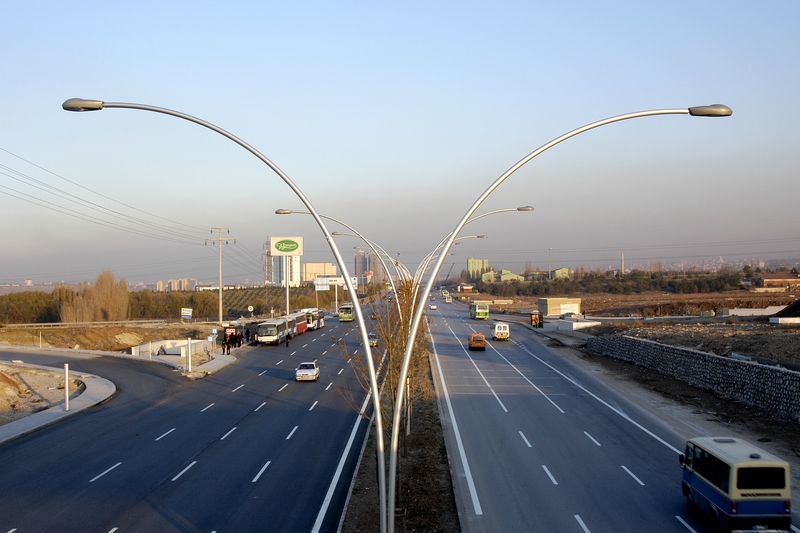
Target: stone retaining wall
{"x":771,"y":389}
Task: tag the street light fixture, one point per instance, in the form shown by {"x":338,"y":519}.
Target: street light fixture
{"x":716,"y":110}
{"x":80,"y":104}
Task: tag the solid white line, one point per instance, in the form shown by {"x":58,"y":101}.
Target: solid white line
{"x":264,"y":372}
{"x":260,"y":406}
{"x":329,"y":386}
{"x":526,"y":440}
{"x":496,"y":397}
{"x":593,"y":395}
{"x":340,"y":371}
{"x":184,"y":470}
{"x":292,"y":433}
{"x":237,"y":388}
{"x":279,"y":362}
{"x":261,"y":471}
{"x":625,"y":468}
{"x":529,"y":381}
{"x":208,"y":407}
{"x":585,"y":433}
{"x":106,"y":472}
{"x":585,"y":529}
{"x":550,"y":475}
{"x":165,"y":434}
{"x":283,"y":387}
{"x":690,"y":528}
{"x":329,"y":496}
{"x":476,"y":504}
{"x":228,"y":433}
{"x":313,"y":406}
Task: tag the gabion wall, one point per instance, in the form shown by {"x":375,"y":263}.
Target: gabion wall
{"x":769,"y":388}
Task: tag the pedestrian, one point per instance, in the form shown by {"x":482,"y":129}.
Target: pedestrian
{"x":247,"y":336}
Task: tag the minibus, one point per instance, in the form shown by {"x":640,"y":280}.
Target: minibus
{"x":501,"y":332}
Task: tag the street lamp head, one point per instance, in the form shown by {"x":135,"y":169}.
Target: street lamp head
{"x":81,"y":104}
{"x":716,"y":110}
{"x":283,"y":211}
{"x":482,"y":236}
{"x":525,"y":208}
{"x":337,"y":233}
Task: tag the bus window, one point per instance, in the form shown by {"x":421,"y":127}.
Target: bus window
{"x":761,"y":478}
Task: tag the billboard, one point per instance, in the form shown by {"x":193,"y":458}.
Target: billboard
{"x":284,"y":246}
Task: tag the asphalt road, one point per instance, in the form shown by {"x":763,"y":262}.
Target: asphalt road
{"x":246,"y":449}
{"x":539,"y":445}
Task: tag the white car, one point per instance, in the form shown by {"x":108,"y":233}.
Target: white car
{"x":308,"y":371}
{"x":373,"y":339}
{"x":432,"y":307}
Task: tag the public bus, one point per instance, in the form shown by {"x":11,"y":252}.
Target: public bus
{"x":501,"y":331}
{"x":479,"y":310}
{"x":346,"y":312}
{"x":271,"y":332}
{"x":299,"y":324}
{"x":741,"y":486}
{"x":314,"y":317}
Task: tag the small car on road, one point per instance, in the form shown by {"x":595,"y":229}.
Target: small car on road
{"x":433,"y":307}
{"x":477,"y":341}
{"x":373,"y":339}
{"x":308,"y":371}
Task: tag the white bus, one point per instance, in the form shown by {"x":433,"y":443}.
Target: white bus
{"x":741,"y":486}
{"x":271,"y":332}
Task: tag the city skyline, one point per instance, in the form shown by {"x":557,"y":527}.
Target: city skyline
{"x":394,"y":119}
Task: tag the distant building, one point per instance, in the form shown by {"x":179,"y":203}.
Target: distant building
{"x":476,"y":267}
{"x":314,"y":270}
{"x":777,"y":281}
{"x":160,"y":286}
{"x":293,"y":262}
{"x":563,"y":273}
{"x":503,"y":275}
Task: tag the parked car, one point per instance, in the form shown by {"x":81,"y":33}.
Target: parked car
{"x":308,"y":371}
{"x":373,"y":339}
{"x":477,"y":341}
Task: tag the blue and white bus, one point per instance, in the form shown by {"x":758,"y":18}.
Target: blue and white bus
{"x":314,"y":317}
{"x":271,"y":332}
{"x":741,"y":486}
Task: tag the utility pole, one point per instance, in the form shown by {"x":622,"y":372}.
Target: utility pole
{"x":219,"y":240}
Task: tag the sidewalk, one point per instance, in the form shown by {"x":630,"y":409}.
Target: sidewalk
{"x":97,"y":389}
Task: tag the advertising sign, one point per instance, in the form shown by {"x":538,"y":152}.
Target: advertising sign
{"x":285,"y":246}
{"x":186,"y":313}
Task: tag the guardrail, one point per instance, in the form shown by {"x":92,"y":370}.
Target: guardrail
{"x":88,"y":324}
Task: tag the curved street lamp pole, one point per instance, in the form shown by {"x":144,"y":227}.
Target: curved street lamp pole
{"x":79,"y":104}
{"x":707,"y":111}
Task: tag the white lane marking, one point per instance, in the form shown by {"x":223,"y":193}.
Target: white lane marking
{"x":585,"y":433}
{"x":476,"y":504}
{"x":625,"y":468}
{"x":796,"y":530}
{"x":496,"y":397}
{"x":340,"y":371}
{"x":526,"y":379}
{"x":292,"y":433}
{"x":12,"y":530}
{"x":345,"y":454}
{"x":207,"y":407}
{"x":279,"y":362}
{"x":355,"y":351}
{"x":261,"y":471}
{"x":228,"y":433}
{"x":526,"y":440}
{"x":550,"y":475}
{"x":283,"y":387}
{"x":112,"y":530}
{"x":165,"y":434}
{"x":687,"y":526}
{"x":237,"y":388}
{"x":593,"y":395}
{"x":264,"y":372}
{"x":313,"y":340}
{"x":326,"y":351}
{"x":313,"y":406}
{"x":260,"y":406}
{"x":306,"y":344}
{"x":184,"y":470}
{"x":104,"y":473}
{"x":585,"y":529}
{"x":329,"y":386}
{"x":292,"y":353}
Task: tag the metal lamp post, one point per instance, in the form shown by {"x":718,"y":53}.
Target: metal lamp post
{"x":79,"y":104}
{"x":716,"y":110}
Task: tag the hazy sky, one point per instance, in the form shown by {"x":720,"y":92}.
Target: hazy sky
{"x":395,"y":118}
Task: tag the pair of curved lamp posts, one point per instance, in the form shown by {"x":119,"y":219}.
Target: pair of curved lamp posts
{"x":387,"y":498}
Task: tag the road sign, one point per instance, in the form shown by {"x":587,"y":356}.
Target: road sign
{"x":186,"y":313}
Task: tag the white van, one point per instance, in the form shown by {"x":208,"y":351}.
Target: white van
{"x":500,"y":331}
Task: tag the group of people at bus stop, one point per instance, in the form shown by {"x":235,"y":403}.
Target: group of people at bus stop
{"x":235,"y":340}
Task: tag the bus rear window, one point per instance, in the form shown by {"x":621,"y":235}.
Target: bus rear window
{"x":761,"y":478}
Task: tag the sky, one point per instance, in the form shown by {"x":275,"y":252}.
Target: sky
{"x":394,"y":118}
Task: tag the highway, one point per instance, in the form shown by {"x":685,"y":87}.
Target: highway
{"x":537,"y":444}
{"x":245,"y":449}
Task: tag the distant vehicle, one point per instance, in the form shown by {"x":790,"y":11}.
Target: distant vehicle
{"x":501,"y":332}
{"x":314,"y":318}
{"x":448,"y":299}
{"x":433,"y":307}
{"x":308,"y":371}
{"x":479,"y":310}
{"x":477,"y":341}
{"x":739,"y":485}
{"x":346,"y":312}
{"x":433,"y":298}
{"x":569,"y":315}
{"x":373,"y":339}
